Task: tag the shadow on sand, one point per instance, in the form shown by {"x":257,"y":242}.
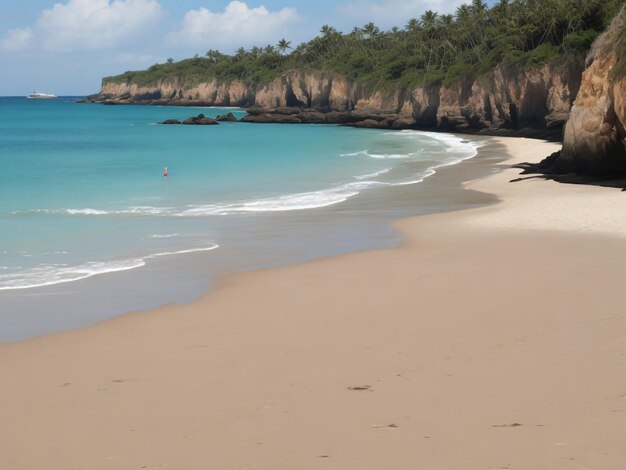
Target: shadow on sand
{"x":546,"y":170}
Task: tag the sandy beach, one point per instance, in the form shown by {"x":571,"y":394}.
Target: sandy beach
{"x":492,"y":338}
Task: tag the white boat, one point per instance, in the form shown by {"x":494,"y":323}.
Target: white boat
{"x":37,"y":95}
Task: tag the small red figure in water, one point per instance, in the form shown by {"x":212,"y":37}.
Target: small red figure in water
{"x":165,"y":171}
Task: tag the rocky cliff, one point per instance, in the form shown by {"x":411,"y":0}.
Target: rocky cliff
{"x":507,"y":101}
{"x":594,"y":140}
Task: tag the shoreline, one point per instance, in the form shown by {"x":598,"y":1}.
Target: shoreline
{"x":490,"y":338}
{"x":356,"y":224}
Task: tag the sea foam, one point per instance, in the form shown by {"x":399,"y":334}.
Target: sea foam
{"x":289,"y":202}
{"x":378,"y":156}
{"x":373,"y":175}
{"x":51,"y":274}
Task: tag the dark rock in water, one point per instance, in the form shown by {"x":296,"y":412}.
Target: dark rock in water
{"x":271,"y":118}
{"x":288,"y":111}
{"x":205,"y":122}
{"x":370,"y":124}
{"x":340,"y":117}
{"x":364,"y":119}
{"x":200,"y":120}
{"x":367,"y":115}
{"x":312,"y":117}
{"x":171,"y":121}
{"x":230,"y":117}
{"x":403,"y":123}
{"x":257,"y":110}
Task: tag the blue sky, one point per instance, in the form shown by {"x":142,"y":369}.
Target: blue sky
{"x":65,"y":47}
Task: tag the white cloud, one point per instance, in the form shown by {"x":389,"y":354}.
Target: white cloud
{"x":237,"y":25}
{"x":94,"y":24}
{"x":17,"y":39}
{"x":395,"y":12}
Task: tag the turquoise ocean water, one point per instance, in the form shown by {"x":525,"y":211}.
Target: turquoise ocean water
{"x":85,"y":212}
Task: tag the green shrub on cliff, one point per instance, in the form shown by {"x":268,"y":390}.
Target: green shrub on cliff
{"x":432,"y":48}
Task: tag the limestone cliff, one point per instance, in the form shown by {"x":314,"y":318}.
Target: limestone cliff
{"x":594,"y":140}
{"x":502,"y":102}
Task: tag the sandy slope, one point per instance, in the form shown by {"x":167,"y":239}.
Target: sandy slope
{"x":493,"y":338}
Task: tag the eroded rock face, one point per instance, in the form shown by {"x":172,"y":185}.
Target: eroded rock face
{"x":594,"y":135}
{"x":506,"y":100}
{"x":511,"y":99}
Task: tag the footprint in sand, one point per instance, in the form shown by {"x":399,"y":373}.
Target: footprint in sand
{"x":361,"y":388}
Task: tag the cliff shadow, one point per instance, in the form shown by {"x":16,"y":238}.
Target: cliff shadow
{"x":548,"y":169}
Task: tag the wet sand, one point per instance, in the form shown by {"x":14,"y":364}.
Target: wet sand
{"x":491,"y":338}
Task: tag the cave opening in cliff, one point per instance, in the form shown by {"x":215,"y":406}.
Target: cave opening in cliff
{"x":293,"y":101}
{"x":513,"y":115}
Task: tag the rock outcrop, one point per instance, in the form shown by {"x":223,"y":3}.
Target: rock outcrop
{"x":506,"y":102}
{"x":230,"y":117}
{"x":271,"y":117}
{"x":199,"y":120}
{"x":594,"y":140}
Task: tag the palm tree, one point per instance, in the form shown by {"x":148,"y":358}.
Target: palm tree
{"x":446,"y":22}
{"x":499,"y":13}
{"x":214,"y":55}
{"x":463,"y":14}
{"x":283,"y":45}
{"x":327,"y":30}
{"x":468,"y":34}
{"x":500,"y":7}
{"x":429,"y":20}
{"x":478,"y":8}
{"x":370,"y":30}
{"x":328,"y":41}
{"x":412,"y":25}
{"x":300,"y":53}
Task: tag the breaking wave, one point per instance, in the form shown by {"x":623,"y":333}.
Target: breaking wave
{"x":50,"y":274}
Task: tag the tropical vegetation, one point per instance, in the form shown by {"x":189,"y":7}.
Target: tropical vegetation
{"x":431,"y":48}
